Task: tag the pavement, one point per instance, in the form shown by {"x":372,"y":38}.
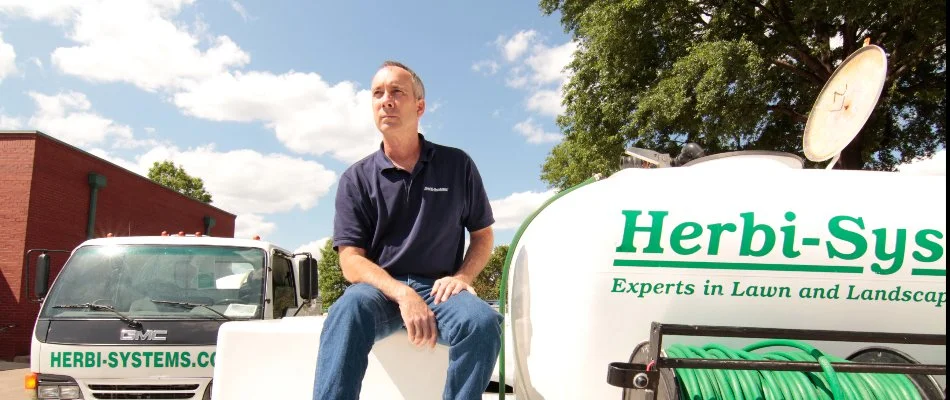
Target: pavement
{"x":11,"y":380}
{"x":12,"y":373}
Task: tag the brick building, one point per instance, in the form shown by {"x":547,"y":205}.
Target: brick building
{"x":54,"y":196}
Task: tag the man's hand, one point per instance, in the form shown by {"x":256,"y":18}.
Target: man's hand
{"x":419,"y":320}
{"x":449,"y":286}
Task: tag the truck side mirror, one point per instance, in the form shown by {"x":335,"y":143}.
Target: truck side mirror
{"x":41,"y":284}
{"x":309,"y":286}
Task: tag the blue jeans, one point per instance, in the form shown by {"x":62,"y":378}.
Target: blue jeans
{"x":363,"y":315}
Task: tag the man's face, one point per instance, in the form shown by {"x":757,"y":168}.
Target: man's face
{"x":395,"y":106}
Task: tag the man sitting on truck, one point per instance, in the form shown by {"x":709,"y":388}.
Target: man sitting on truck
{"x":399,"y":228}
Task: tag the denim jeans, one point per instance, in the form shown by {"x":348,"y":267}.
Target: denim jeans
{"x":363,"y":315}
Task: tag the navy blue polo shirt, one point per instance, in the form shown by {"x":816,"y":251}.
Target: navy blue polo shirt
{"x":412,"y":223}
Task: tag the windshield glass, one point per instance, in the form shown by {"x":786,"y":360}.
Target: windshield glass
{"x":141,"y":281}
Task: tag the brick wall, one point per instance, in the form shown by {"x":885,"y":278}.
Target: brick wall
{"x":57,"y":198}
{"x":16,"y":170}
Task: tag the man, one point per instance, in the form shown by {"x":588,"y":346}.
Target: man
{"x":398,"y":228}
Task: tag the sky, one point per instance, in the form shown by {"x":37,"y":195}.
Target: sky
{"x":268,"y":102}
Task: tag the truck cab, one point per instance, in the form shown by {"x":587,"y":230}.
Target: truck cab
{"x":138,"y":317}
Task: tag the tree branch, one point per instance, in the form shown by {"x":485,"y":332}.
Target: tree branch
{"x":810,"y":77}
{"x":848,"y":37}
{"x":818,"y":68}
{"x":795,"y":115}
{"x":801,"y":52}
{"x":909,"y":61}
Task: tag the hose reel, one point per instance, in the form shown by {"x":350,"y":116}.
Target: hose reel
{"x":693,"y":372}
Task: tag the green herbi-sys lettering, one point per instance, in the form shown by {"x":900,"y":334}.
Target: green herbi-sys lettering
{"x":890,"y":246}
{"x":131,"y":359}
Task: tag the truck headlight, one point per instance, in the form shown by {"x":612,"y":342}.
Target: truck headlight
{"x":69,"y":392}
{"x":47,"y":392}
{"x":58,"y":392}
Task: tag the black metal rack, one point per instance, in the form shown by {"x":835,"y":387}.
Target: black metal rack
{"x":640,"y":377}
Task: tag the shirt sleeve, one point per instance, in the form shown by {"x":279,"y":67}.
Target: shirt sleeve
{"x":479,"y":214}
{"x":351,"y":224}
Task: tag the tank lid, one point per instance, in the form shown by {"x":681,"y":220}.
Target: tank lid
{"x":845,"y":103}
{"x":749,"y":158}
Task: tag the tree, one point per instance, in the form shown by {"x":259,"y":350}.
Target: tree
{"x":175,"y":178}
{"x":332,"y":283}
{"x":488,"y":282}
{"x":741,"y":75}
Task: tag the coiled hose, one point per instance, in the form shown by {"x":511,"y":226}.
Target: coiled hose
{"x":707,"y":384}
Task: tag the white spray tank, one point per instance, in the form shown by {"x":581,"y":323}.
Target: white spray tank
{"x":747,"y":239}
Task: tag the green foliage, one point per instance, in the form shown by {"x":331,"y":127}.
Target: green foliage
{"x":174,"y":177}
{"x":332,"y":283}
{"x":488,"y":282}
{"x":732,"y":75}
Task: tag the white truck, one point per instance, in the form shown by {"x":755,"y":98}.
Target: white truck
{"x":660,"y":283}
{"x":138,"y":317}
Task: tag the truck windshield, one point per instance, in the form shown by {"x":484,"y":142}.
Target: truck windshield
{"x":151,"y":281}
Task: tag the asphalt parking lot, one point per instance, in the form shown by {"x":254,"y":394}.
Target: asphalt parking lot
{"x":11,"y":380}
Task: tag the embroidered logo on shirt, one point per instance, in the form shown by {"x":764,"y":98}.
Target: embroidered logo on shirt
{"x":437,"y":189}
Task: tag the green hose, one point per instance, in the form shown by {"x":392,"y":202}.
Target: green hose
{"x":709,"y":384}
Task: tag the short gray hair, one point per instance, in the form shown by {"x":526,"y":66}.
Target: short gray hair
{"x":417,"y":85}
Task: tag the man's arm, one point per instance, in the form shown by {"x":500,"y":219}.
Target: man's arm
{"x":419,"y":319}
{"x":359,"y":269}
{"x":479,"y":250}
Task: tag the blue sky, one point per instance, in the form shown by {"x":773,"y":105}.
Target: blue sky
{"x":266,"y":100}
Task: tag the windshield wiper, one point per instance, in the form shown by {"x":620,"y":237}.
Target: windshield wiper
{"x":192,"y":305}
{"x":99,"y":307}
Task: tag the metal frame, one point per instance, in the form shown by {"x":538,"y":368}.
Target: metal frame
{"x":646,"y":376}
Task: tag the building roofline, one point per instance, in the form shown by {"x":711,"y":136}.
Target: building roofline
{"x":39,"y":134}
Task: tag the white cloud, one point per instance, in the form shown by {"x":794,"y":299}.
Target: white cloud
{"x":134,"y":41}
{"x":106,"y":155}
{"x":514,"y":47}
{"x":516,"y":78}
{"x":511,"y":211}
{"x":36,"y":62}
{"x":307,"y":114}
{"x":541,"y":71}
{"x":10,"y":123}
{"x":544,"y":66}
{"x":247,"y":226}
{"x":239,"y":8}
{"x":548,"y":63}
{"x":534,"y":133}
{"x":141,"y":42}
{"x":251,"y":182}
{"x":488,"y":67}
{"x":315,"y":247}
{"x":68,"y":117}
{"x":546,"y":102}
{"x":57,"y":11}
{"x":244,"y":182}
{"x":7,"y":59}
{"x":936,"y":165}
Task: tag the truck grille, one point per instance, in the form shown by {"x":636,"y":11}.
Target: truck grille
{"x":156,"y":392}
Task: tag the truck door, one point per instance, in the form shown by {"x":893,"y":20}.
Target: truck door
{"x":283,"y":288}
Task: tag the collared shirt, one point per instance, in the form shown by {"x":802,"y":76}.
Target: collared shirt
{"x":412,"y":223}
